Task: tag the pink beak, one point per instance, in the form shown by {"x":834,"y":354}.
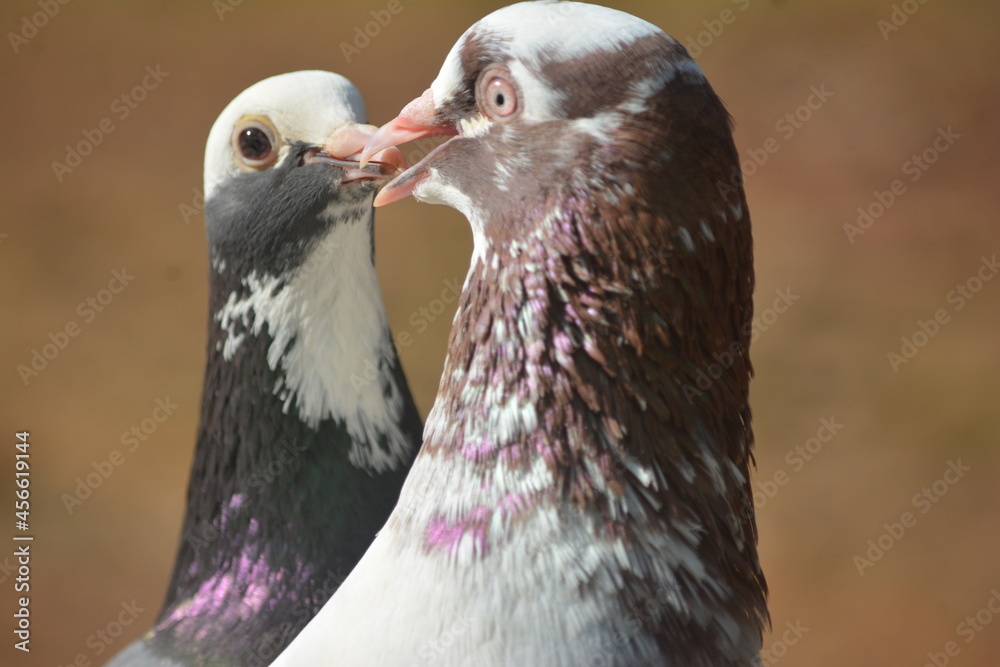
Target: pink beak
{"x":343,"y":148}
{"x":415,"y":121}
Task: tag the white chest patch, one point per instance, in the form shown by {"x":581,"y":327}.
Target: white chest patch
{"x":330,"y":342}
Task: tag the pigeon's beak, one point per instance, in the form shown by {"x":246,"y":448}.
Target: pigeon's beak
{"x":417,"y":120}
{"x":343,"y":149}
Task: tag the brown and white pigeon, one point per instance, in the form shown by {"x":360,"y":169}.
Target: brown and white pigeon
{"x":582,"y":496}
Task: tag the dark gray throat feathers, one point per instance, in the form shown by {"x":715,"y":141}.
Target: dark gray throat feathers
{"x":602,"y":315}
{"x":277,"y":515}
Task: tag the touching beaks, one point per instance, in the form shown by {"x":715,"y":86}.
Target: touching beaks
{"x":343,"y":149}
{"x":400,"y":187}
{"x":416,"y":121}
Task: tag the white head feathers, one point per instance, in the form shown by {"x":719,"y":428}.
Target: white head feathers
{"x":313,"y":88}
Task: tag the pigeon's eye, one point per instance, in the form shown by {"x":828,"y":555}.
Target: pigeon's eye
{"x":498,"y":95}
{"x":255,"y":144}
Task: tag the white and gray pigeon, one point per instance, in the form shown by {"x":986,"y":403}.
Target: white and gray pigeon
{"x":582,"y":495}
{"x":307,"y":425}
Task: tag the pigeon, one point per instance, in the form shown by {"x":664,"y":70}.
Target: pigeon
{"x":307,"y":425}
{"x":582,"y":493}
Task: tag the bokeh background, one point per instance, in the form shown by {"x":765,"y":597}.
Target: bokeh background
{"x":849,"y":299}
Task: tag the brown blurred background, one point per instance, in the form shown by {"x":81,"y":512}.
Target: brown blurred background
{"x":848,"y":298}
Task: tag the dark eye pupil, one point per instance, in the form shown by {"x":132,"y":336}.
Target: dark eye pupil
{"x":500,"y":99}
{"x":254,"y":143}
